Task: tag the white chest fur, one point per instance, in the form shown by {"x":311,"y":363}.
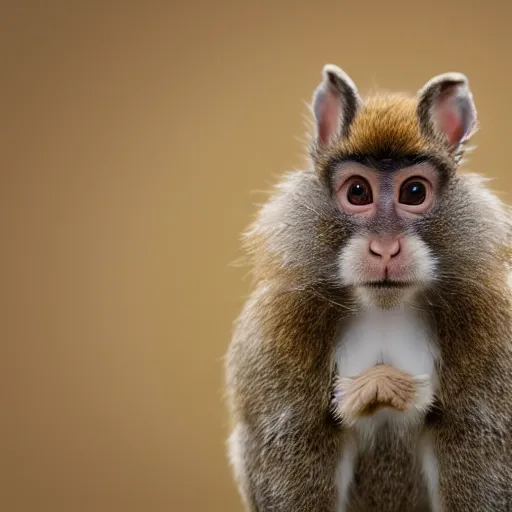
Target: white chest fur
{"x":396,"y":337}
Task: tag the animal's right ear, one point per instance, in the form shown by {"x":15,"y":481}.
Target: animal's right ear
{"x":335,"y":104}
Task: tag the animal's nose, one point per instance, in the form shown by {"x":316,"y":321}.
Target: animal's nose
{"x":384,"y":249}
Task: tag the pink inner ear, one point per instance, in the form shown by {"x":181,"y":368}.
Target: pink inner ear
{"x":451,"y":125}
{"x":449,"y":120}
{"x":329,"y":117}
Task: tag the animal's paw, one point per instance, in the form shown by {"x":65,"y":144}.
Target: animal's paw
{"x":377,"y":387}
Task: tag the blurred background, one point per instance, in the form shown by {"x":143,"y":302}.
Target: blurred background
{"x":134,"y":136}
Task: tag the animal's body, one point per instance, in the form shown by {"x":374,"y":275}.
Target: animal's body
{"x":379,"y":255}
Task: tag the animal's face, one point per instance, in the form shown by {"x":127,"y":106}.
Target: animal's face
{"x":386,"y":257}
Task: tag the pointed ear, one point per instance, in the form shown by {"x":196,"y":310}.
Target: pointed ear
{"x":335,"y":103}
{"x":445,"y":106}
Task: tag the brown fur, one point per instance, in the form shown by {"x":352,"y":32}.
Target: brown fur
{"x":386,"y":124}
{"x":280,"y":363}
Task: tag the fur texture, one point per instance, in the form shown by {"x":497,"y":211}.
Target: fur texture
{"x":287,"y":446}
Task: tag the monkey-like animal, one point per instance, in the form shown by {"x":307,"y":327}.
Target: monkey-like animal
{"x":380,"y":252}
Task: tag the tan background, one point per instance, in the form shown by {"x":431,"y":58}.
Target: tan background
{"x":132,"y":137}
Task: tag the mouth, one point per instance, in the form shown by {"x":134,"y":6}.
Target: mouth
{"x":386,"y":283}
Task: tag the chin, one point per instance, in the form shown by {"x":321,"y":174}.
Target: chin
{"x":385,"y":297}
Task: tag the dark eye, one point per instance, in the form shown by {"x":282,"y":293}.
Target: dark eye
{"x":413,"y":192}
{"x":359,"y":192}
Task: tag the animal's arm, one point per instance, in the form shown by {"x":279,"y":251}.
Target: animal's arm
{"x":285,"y":446}
{"x":473,"y":458}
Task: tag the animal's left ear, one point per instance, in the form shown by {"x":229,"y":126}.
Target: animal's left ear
{"x":446,"y":108}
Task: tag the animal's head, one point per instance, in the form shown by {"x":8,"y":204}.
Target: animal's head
{"x":383,"y":212}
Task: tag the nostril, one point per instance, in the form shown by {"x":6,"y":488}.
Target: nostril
{"x":376,"y":248}
{"x":374,"y":253}
{"x":394,"y":248}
